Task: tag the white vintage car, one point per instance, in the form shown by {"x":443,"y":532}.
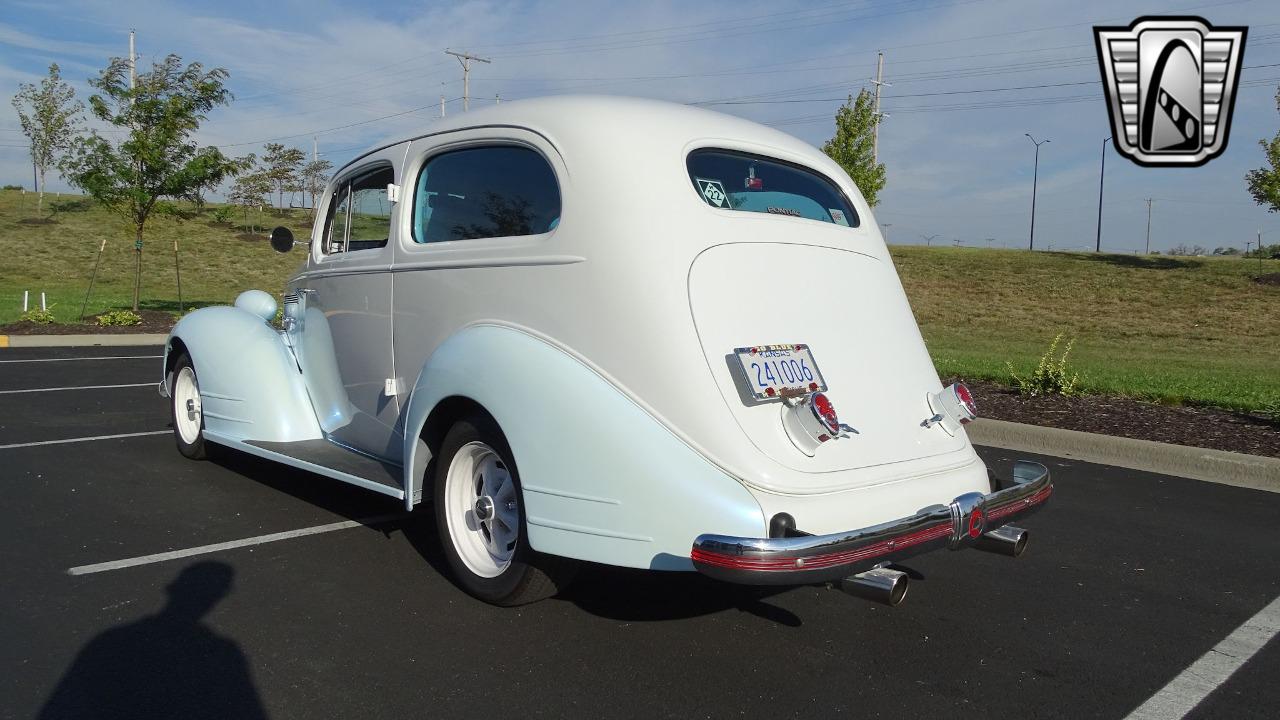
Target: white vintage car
{"x":609,"y":330}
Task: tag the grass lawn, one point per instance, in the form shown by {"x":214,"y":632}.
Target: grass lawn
{"x":57,"y":258}
{"x":1177,"y":330}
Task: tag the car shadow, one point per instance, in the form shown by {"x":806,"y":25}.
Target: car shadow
{"x":332,"y":495}
{"x":1144,"y":262}
{"x":625,"y":594}
{"x":170,"y":664}
{"x":608,"y":592}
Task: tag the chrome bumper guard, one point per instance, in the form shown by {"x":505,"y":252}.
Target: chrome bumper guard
{"x":823,"y":558}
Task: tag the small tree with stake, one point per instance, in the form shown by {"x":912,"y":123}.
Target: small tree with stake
{"x":283,"y":165}
{"x":50,"y":116}
{"x":248,"y":191}
{"x":156,"y":156}
{"x":853,"y":145}
{"x":314,"y":176}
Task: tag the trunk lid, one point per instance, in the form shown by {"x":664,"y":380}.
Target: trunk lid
{"x":851,"y":311}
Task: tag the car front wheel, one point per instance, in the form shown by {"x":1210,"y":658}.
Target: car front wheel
{"x":480,"y":518}
{"x":188,"y":419}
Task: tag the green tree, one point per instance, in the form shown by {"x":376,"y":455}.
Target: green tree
{"x":314,"y":176}
{"x":283,"y":165}
{"x":853,"y":145}
{"x":1264,"y":183}
{"x":50,"y":118}
{"x":155,"y":156}
{"x":249,"y":190}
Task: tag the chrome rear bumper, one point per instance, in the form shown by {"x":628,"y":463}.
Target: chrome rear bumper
{"x":822,"y":558}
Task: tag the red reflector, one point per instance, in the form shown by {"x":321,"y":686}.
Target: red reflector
{"x":966,"y":398}
{"x":826,"y":412}
{"x":975,"y":524}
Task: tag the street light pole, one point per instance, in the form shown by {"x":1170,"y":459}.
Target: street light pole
{"x":1102,"y":175}
{"x":1035,"y":179}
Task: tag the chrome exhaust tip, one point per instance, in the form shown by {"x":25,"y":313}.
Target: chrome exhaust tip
{"x":1007,"y":540}
{"x":882,"y":585}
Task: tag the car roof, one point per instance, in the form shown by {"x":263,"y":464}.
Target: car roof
{"x":565,"y":117}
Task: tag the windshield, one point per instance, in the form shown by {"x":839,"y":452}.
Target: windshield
{"x":741,"y":181}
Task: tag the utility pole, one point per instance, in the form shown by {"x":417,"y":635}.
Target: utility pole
{"x":928,"y":239}
{"x":465,"y":60}
{"x":875,"y":113}
{"x":442,"y":106}
{"x":1035,"y":179}
{"x":1101,"y":177}
{"x":133,"y":64}
{"x":886,"y":227}
{"x":315,"y":149}
{"x":497,"y":99}
{"x":1149,"y":225}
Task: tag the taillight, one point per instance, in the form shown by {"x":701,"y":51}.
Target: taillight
{"x":952,"y":407}
{"x":811,"y":420}
{"x":964,"y":398}
{"x":825,"y":411}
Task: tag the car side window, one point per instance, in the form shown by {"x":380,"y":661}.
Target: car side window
{"x":360,"y":214}
{"x":484,"y":192}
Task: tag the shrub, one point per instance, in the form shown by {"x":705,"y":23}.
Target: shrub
{"x":1051,"y":376}
{"x":37,"y":316}
{"x":119,"y":317}
{"x":11,"y":187}
{"x":223,"y":215}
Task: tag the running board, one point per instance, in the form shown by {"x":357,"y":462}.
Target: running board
{"x":325,"y":458}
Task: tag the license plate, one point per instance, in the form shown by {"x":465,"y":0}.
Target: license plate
{"x":771,"y":372}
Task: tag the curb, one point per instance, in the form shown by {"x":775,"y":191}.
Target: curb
{"x":1216,"y":466}
{"x":117,"y":340}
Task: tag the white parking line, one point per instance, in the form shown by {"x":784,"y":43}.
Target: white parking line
{"x":12,"y":446}
{"x":112,"y":357}
{"x":1213,"y":668}
{"x":81,"y":387}
{"x":230,"y":545}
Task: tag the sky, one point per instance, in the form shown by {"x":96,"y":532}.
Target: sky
{"x":966,"y":80}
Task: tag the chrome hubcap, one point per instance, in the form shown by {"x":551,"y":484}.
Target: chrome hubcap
{"x":482,"y":509}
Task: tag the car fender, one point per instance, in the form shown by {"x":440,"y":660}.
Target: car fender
{"x":250,"y":385}
{"x":602,"y":479}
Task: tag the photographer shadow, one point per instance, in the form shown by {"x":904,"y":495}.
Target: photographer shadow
{"x":167,"y":665}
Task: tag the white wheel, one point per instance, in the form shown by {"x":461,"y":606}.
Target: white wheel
{"x":482,"y":508}
{"x":187,"y":415}
{"x":186,"y":402}
{"x":476,"y":485}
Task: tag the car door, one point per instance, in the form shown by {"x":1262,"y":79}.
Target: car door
{"x":341,"y":321}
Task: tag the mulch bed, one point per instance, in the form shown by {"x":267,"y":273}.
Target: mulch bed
{"x":1268,"y":279}
{"x":1125,"y":417}
{"x":153,"y":321}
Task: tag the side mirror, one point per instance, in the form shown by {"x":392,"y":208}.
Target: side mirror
{"x":282,"y":239}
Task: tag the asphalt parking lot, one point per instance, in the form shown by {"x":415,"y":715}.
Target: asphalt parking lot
{"x":1130,"y":579}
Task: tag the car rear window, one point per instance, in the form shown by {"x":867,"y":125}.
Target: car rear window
{"x":754,"y":183}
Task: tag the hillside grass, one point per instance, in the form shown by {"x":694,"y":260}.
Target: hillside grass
{"x":1172,"y":329}
{"x":1175,"y":330}
{"x":57,"y":257}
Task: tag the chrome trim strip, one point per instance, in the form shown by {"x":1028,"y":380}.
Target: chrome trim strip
{"x":819,"y":558}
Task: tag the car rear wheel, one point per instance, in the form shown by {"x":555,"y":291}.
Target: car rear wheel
{"x":480,"y":518}
{"x":188,"y":418}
